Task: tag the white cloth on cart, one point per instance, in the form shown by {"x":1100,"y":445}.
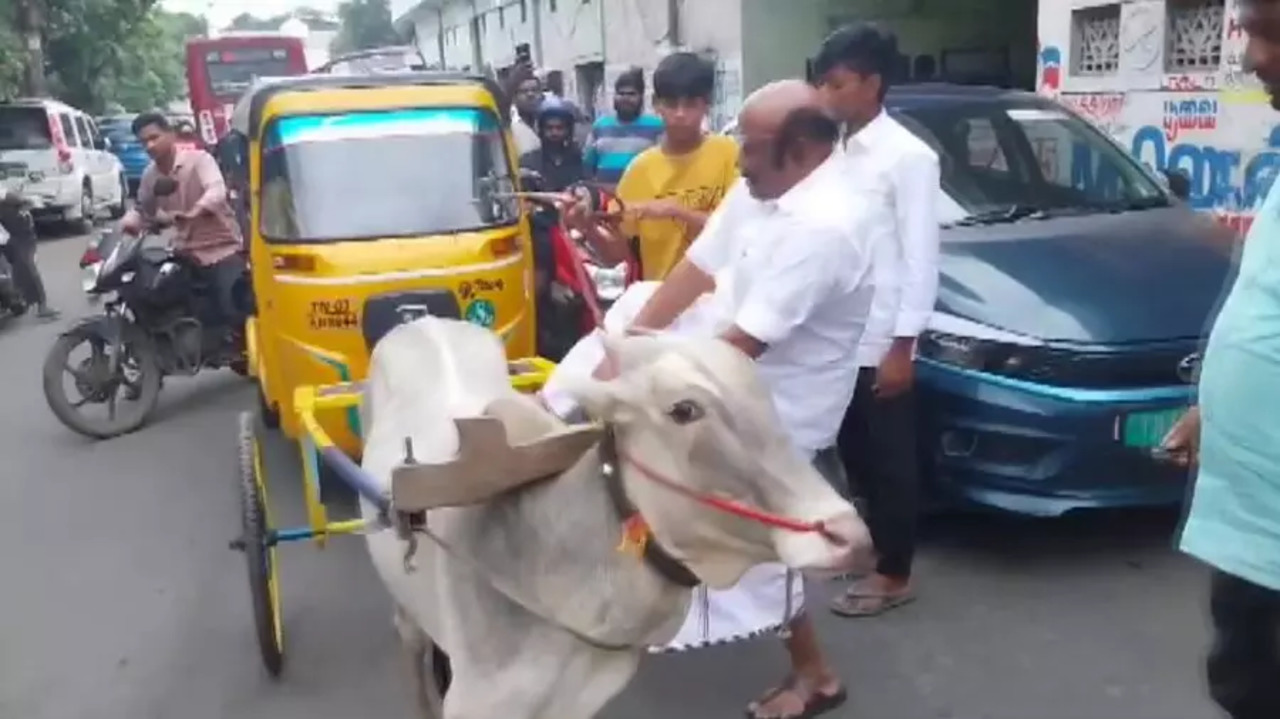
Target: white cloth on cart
{"x":757,"y":604}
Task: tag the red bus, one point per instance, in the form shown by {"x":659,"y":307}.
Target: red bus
{"x":220,"y":69}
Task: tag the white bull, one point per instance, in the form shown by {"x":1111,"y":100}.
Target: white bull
{"x":541,"y":615}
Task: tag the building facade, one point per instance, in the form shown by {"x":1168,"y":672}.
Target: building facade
{"x":752,"y":42}
{"x":1166,"y":79}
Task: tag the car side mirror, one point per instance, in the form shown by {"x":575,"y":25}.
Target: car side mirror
{"x":1178,"y":182}
{"x":105,"y":143}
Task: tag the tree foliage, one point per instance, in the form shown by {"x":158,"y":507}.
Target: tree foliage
{"x":10,"y":52}
{"x":104,"y":52}
{"x":363,"y":24}
{"x":313,"y":18}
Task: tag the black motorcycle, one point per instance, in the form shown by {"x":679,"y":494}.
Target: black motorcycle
{"x":158,"y":319}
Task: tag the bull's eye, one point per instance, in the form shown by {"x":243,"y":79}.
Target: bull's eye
{"x":686,"y":411}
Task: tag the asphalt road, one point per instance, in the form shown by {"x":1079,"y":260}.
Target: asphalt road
{"x":121,"y":600}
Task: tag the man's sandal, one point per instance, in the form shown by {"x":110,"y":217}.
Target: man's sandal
{"x":816,"y":704}
{"x":856,"y":603}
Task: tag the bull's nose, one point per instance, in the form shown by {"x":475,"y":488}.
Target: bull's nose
{"x":849,"y":534}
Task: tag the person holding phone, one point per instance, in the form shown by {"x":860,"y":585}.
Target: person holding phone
{"x":668,"y":190}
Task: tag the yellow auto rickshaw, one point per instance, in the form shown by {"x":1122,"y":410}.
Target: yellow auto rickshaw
{"x":368,"y":201}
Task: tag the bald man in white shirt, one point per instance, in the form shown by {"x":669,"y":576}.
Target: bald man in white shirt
{"x":779,"y":271}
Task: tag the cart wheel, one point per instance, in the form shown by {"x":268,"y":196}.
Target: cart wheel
{"x":260,"y":557}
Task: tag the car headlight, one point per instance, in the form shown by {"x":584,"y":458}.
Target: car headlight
{"x":969,"y":352}
{"x":964,"y":343}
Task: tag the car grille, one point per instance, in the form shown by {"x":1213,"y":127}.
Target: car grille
{"x":1152,"y":366}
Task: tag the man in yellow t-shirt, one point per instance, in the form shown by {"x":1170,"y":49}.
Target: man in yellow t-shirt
{"x":669,"y":190}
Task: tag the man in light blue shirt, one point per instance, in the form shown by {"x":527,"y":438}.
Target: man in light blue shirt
{"x":616,"y":139}
{"x":1233,"y":523}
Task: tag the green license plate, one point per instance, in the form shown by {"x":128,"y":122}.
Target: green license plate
{"x":1145,"y":430}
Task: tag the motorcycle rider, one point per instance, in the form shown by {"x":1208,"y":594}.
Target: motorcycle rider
{"x":558,"y":164}
{"x":559,"y":158}
{"x":20,"y":251}
{"x":206,"y":231}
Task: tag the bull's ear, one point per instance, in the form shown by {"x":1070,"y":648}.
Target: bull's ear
{"x":614,"y":401}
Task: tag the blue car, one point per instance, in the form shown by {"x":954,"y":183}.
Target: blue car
{"x":1075,"y":291}
{"x":125,"y":146}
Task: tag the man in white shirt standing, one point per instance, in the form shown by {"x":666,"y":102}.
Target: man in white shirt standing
{"x":878,"y":439}
{"x":780,"y":272}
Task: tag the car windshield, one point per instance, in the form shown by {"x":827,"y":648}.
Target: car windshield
{"x":231,"y":72}
{"x":1010,"y":161}
{"x":369,"y":175}
{"x":119,"y":134}
{"x":24,"y":128}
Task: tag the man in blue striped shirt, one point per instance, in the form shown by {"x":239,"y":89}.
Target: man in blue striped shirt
{"x":616,"y":139}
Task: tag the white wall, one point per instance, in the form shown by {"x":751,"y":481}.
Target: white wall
{"x":571,"y":34}
{"x":316,"y":46}
{"x":445,"y":27}
{"x":567,"y":35}
{"x":779,"y":42}
{"x":1216,"y":125}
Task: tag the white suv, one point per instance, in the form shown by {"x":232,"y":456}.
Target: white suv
{"x":55,"y":155}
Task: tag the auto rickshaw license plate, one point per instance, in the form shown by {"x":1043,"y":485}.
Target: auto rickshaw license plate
{"x":1146,"y":430}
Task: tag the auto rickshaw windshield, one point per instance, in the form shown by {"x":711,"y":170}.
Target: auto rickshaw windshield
{"x":379,"y":174}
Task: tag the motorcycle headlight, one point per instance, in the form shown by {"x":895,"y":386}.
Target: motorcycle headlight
{"x":610,"y":282}
{"x":89,"y":278}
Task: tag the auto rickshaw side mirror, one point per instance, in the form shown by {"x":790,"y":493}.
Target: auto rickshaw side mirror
{"x":1178,"y":182}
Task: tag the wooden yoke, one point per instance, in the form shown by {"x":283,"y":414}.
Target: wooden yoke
{"x":488,"y":463}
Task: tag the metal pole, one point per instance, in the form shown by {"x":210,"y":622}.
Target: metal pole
{"x":673,"y":24}
{"x":604,"y":55}
{"x":477,"y":38}
{"x":539,"y":58}
{"x":440,"y":37}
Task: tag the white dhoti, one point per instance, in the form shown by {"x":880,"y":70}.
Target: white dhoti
{"x":757,"y":604}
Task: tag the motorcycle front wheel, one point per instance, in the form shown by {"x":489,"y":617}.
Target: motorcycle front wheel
{"x":126,"y":394}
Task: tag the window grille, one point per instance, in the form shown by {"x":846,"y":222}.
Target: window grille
{"x":1193,"y":35}
{"x":1095,"y":40}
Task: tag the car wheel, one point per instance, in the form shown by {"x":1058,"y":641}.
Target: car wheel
{"x":85,"y":220}
{"x":117,"y":210}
